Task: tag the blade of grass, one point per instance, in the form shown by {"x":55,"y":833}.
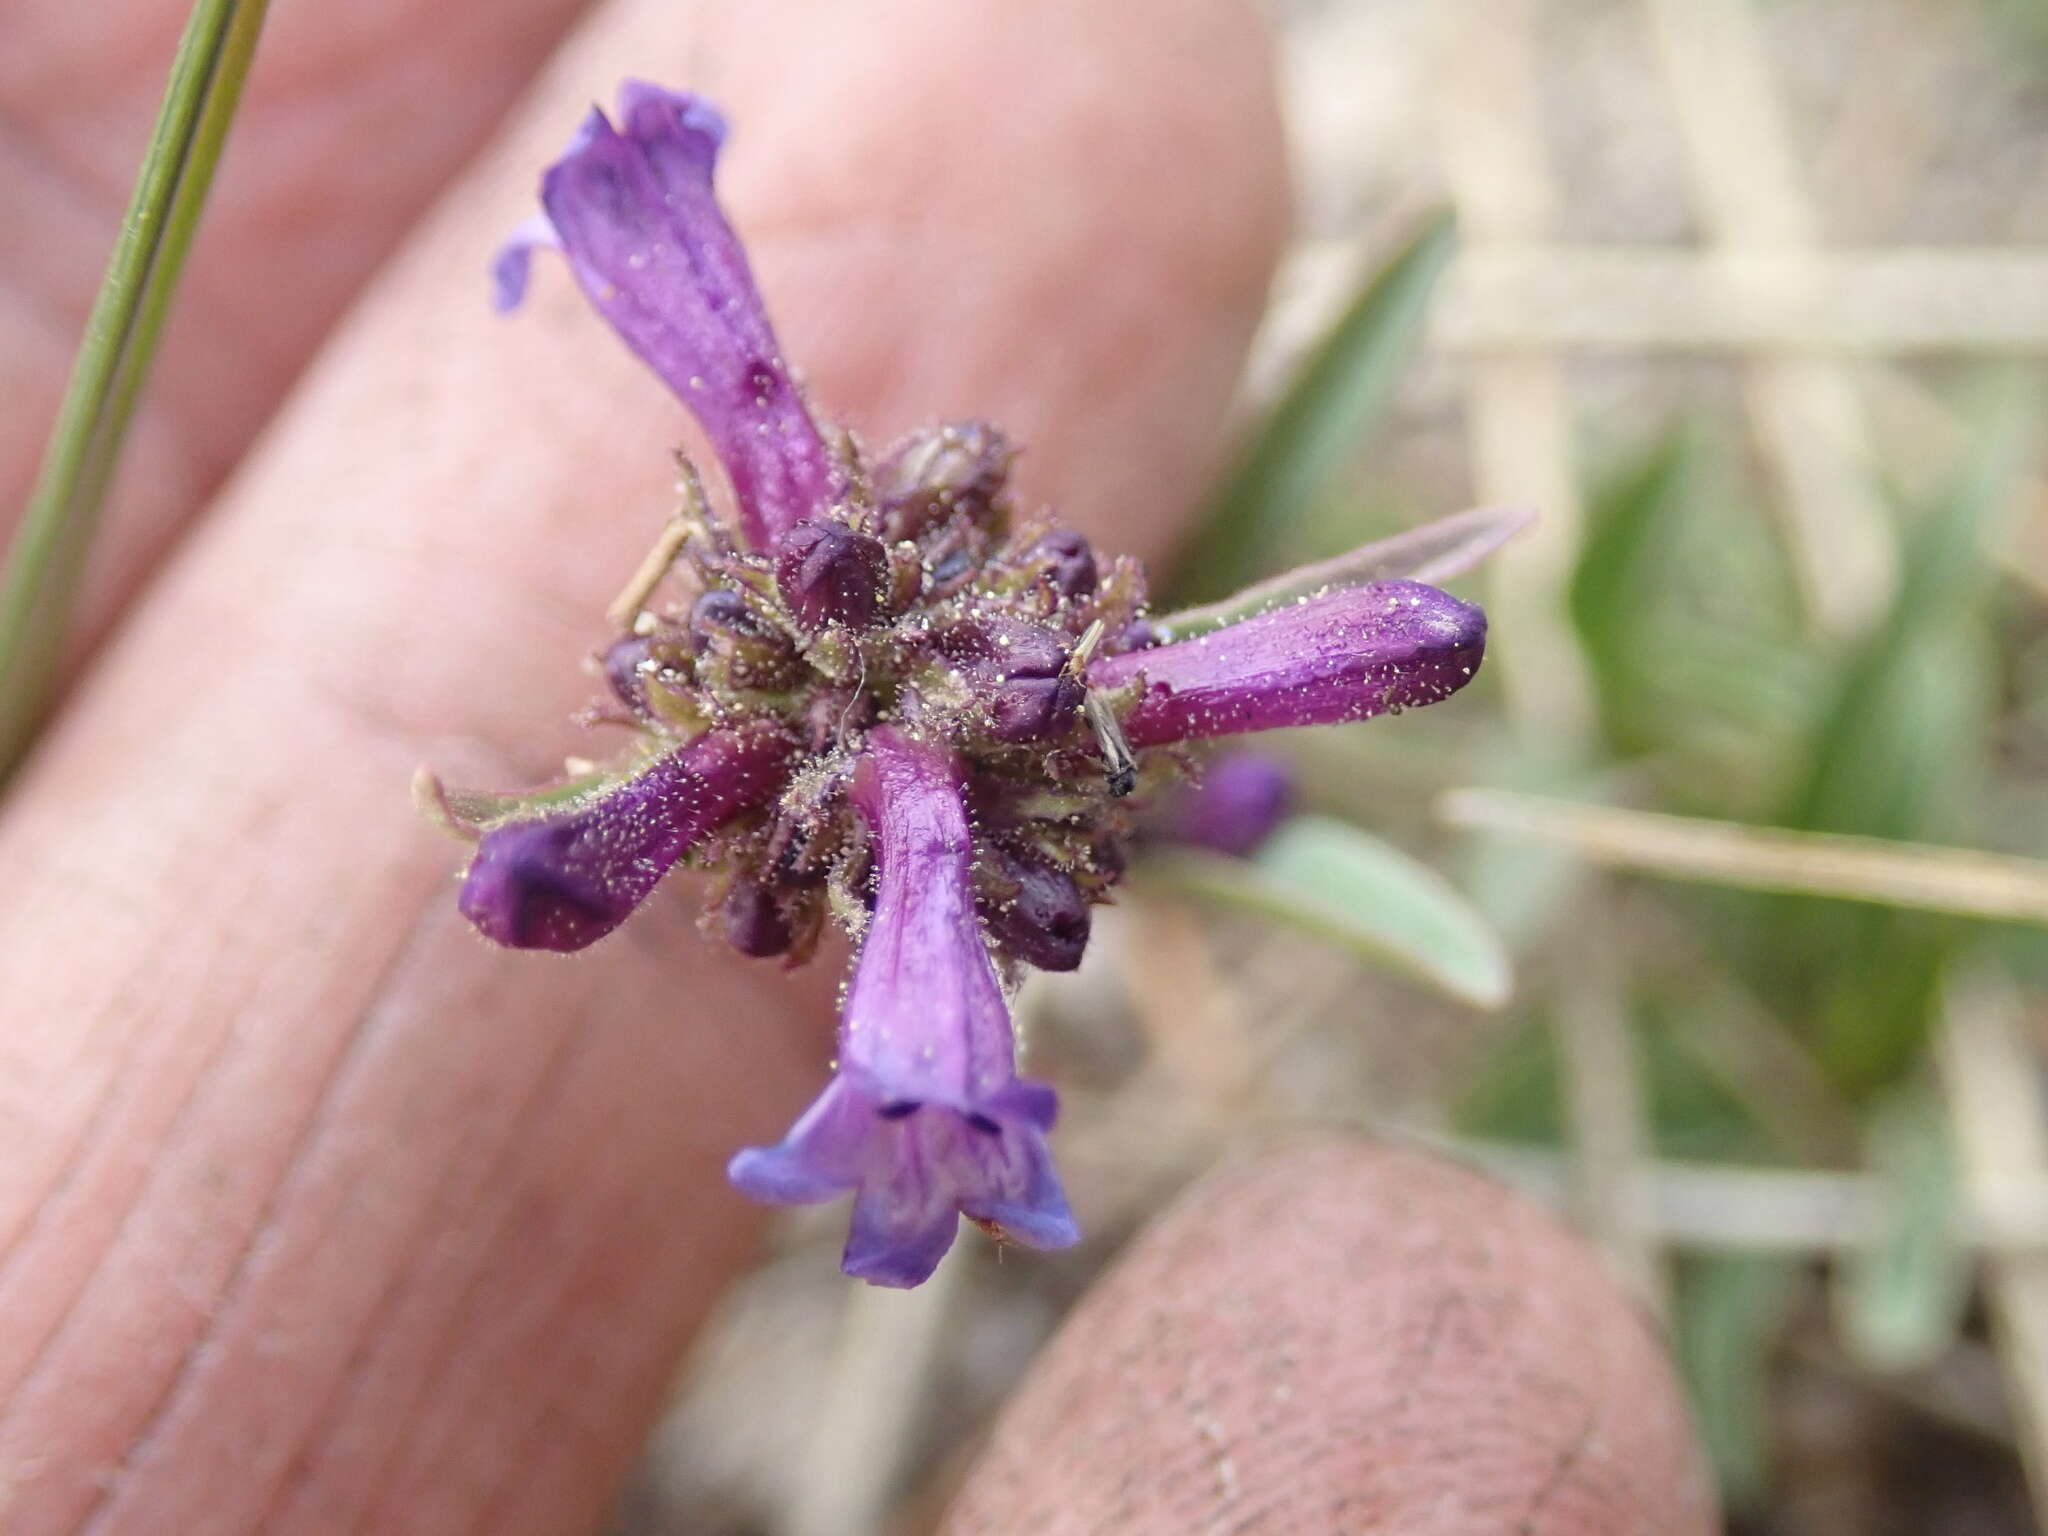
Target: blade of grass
{"x":1899,"y":1299}
{"x":1435,"y":553}
{"x":56,"y":530}
{"x":1902,"y":750}
{"x":1990,"y":1074}
{"x":1334,"y":399}
{"x":1730,"y":1311}
{"x":1891,"y":874}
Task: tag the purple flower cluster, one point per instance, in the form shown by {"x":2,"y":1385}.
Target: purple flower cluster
{"x":880,"y":697}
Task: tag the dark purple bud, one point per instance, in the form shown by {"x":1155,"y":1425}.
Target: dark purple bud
{"x":626,"y":665}
{"x":1069,"y":562}
{"x":1035,"y":912}
{"x":1019,"y":668}
{"x":950,"y":569}
{"x":1032,"y":708}
{"x":828,"y":574}
{"x":719,"y":611}
{"x":933,"y":474}
{"x":996,"y":648}
{"x":1138,"y":635}
{"x":754,"y":924}
{"x":1238,"y":803}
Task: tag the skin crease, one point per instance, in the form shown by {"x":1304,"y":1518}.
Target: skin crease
{"x":318,"y":1214}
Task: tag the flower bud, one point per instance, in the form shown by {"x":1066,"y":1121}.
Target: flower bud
{"x":828,"y":574}
{"x":1069,"y":562}
{"x":1238,"y":803}
{"x":718,"y":611}
{"x":1138,"y":635}
{"x":932,"y":474}
{"x":1032,"y":708}
{"x":626,"y":664}
{"x":754,"y":924}
{"x":1018,"y":669}
{"x":1034,"y":912}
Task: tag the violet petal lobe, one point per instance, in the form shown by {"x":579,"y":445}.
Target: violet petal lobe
{"x":633,"y":209}
{"x":1346,"y":654}
{"x":565,"y":880}
{"x":926,"y":1120}
{"x":513,"y":263}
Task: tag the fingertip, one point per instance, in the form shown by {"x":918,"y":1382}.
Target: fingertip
{"x":1339,"y":1335}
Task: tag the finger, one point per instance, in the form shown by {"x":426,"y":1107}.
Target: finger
{"x":1338,"y":1336}
{"x":318,"y":1214}
{"x":354,"y":116}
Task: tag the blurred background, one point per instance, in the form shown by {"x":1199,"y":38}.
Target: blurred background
{"x":1713,"y":913}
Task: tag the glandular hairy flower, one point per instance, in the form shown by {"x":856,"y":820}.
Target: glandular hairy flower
{"x":868,"y":691}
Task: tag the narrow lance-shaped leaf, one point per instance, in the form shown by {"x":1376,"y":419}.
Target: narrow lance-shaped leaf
{"x":1900,"y":1301}
{"x":1364,"y":894}
{"x":1434,"y":553}
{"x":1902,"y":753}
{"x":1729,"y":1310}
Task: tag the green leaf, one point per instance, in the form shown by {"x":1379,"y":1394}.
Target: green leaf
{"x":1684,"y":605}
{"x":48,"y":553}
{"x":1902,"y":752}
{"x":1333,"y":401}
{"x":1727,"y":1314}
{"x":1900,"y":1301}
{"x":1622,"y":570}
{"x":1360,"y":892}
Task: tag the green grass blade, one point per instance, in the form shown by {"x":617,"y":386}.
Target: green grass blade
{"x":1334,"y":399}
{"x":1730,"y":1310}
{"x":1436,"y":552}
{"x":48,"y":552}
{"x":1903,"y":752}
{"x":1900,"y":1301}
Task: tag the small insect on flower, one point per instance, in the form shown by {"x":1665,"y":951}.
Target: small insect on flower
{"x":865,"y":690}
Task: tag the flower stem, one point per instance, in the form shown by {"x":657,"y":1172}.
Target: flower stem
{"x":44,"y":561}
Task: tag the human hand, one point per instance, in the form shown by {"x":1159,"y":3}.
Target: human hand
{"x":318,"y":1214}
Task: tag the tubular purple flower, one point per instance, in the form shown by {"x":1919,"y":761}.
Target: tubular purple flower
{"x":1346,"y":654}
{"x":927,"y":1119}
{"x":877,"y":645}
{"x":633,"y":210}
{"x":564,"y":881}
